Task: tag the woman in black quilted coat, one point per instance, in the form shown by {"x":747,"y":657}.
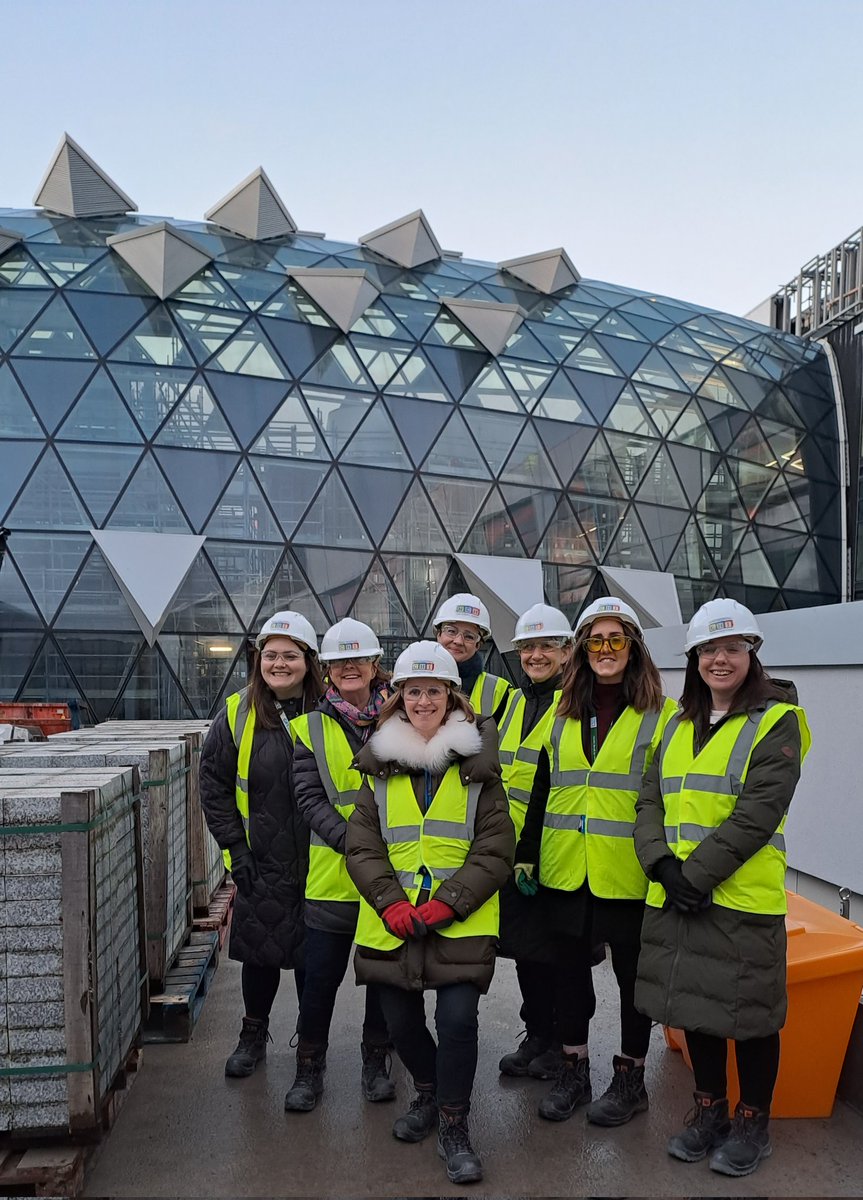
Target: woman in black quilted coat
{"x":269,"y":859}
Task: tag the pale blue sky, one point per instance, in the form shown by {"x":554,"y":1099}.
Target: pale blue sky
{"x":702,"y":150}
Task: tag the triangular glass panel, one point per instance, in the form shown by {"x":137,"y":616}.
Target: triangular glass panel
{"x":333,"y":519}
{"x":152,"y":692}
{"x":340,"y":368}
{"x":599,"y":392}
{"x":582,"y":308}
{"x":599,"y":518}
{"x":48,"y":501}
{"x":753,"y":481}
{"x":564,"y":540}
{"x":615,"y":325}
{"x":293,"y":304}
{"x":376,"y":442}
{"x":245,"y":573}
{"x":51,"y":387}
{"x":638,"y":307}
{"x":457,"y":368}
{"x":598,"y":475}
{"x":379,"y":606}
{"x":100,"y":415}
{"x":378,"y":321}
{"x":289,"y":486}
{"x":447,"y":331}
{"x":107,"y":318}
{"x":663,"y":527}
{"x":781,"y":546}
{"x":416,"y":528}
{"x":17,"y":610}
{"x":720,"y":499}
{"x":55,"y":334}
{"x":382,"y":492}
{"x":415,"y":376}
{"x":630,"y":547}
{"x":100,"y":663}
{"x":380,"y":359}
{"x":418,"y":581}
{"x":561,"y":402}
{"x":99,"y":473}
{"x":784,"y":444}
{"x":691,"y":559}
{"x":558,"y":340}
{"x":726,"y":424}
{"x":660,"y":483}
{"x":456,"y":502}
{"x":148,"y":503}
{"x":530,"y":510}
{"x":292,"y":433}
{"x":203,"y":688}
{"x":49,"y":675}
{"x":49,"y":561}
{"x":17,"y":418}
{"x":456,"y":452}
{"x":201,"y":605}
{"x":253,"y":287}
{"x":529,"y":462}
{"x":337,"y":412}
{"x":17,"y":310}
{"x":416,"y":315}
{"x":819,"y":459}
{"x":155,"y":342}
{"x":717,"y":387}
{"x":16,"y":459}
{"x":805,"y":575}
{"x":777,"y":407}
{"x":197,"y":479}
{"x":628,"y":416}
{"x":495,"y":433}
{"x":248,"y":404}
{"x":290,"y":589}
{"x":208,"y":288}
{"x":651,"y":328}
{"x":300,"y":344}
{"x":197,"y":423}
{"x":663,"y":407}
{"x":523,"y":344}
{"x":528,"y":380}
{"x":689,"y":368}
{"x":206,"y":329}
{"x":335,"y":576}
{"x":150,"y":393}
{"x":723,"y":538}
{"x":110,"y":275}
{"x":627,"y":354}
{"x":590,"y":356}
{"x":693,"y":429}
{"x":493,"y":531}
{"x":778,"y":508}
{"x":566,"y":445}
{"x":680,"y":341}
{"x":749,"y":565}
{"x":694,"y":467}
{"x":95,"y":601}
{"x":656,"y":372}
{"x":633,"y":456}
{"x":418,"y":422}
{"x":18,"y":269}
{"x":492,"y":391}
{"x":753,"y":389}
{"x":249,"y":353}
{"x":242,"y":512}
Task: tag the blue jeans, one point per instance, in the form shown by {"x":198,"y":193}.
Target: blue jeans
{"x":327,"y":958}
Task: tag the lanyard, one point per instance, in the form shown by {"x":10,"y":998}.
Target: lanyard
{"x":594,"y":739}
{"x":283,"y":717}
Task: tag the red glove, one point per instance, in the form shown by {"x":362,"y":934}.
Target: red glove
{"x":403,"y":920}
{"x":434,"y":914}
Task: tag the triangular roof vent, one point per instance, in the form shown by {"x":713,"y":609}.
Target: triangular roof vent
{"x":492,"y":324}
{"x":253,"y":209}
{"x":653,"y":594}
{"x":161,"y":255}
{"x":507,"y":586}
{"x":548,"y":272}
{"x":75,"y":186}
{"x":344,"y":295}
{"x":150,"y":569}
{"x":8,"y":237}
{"x":409,"y":241}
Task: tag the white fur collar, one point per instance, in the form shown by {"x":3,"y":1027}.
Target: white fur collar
{"x":398,"y":741}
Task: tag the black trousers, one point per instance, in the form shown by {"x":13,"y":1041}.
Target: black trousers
{"x":536,"y":983}
{"x":326,"y":960}
{"x":757,"y":1066}
{"x":573,"y":995}
{"x":449,"y":1065}
{"x":260,"y":985}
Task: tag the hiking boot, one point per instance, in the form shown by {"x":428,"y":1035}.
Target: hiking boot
{"x":251,"y":1049}
{"x":707,"y":1126}
{"x":547,"y":1065}
{"x":308,"y":1083}
{"x":746,"y":1145}
{"x":625,"y":1096}
{"x":519,"y":1061}
{"x":571,"y":1089}
{"x":463,"y":1164}
{"x":375,"y":1082}
{"x":420,"y":1119}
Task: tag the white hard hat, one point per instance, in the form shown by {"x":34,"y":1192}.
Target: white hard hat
{"x":541,"y":621}
{"x":467,"y":608}
{"x":350,"y":639}
{"x":426,"y":660}
{"x":289,"y":624}
{"x":608,"y":606}
{"x":721,"y":618}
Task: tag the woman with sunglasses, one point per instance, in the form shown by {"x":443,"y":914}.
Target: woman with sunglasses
{"x":429,"y":845}
{"x":249,"y":801}
{"x":461,"y":625}
{"x":577,"y":847}
{"x":709,"y":833}
{"x":326,"y":742}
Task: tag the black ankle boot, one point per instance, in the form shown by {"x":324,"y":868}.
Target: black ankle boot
{"x":308,"y":1083}
{"x":519,"y":1060}
{"x":747,"y":1143}
{"x":376,"y":1083}
{"x":251,"y":1049}
{"x":707,"y":1126}
{"x":420,"y":1119}
{"x":463,"y":1164}
{"x":571,"y":1089}
{"x":625,"y":1096}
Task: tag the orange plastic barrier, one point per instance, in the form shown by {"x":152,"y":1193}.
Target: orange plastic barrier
{"x":50,"y":718}
{"x":825,"y":978}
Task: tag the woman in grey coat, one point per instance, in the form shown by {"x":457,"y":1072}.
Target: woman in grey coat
{"x":709,"y":834}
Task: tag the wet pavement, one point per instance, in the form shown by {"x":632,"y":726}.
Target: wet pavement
{"x":187,"y":1131}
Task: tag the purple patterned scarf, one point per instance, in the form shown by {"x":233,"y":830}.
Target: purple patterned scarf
{"x":361,"y":718}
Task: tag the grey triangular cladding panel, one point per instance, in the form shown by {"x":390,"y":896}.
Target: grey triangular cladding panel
{"x":253,"y":209}
{"x":492,"y":324}
{"x":150,"y":569}
{"x":76,"y":187}
{"x":409,"y":241}
{"x":8,"y":239}
{"x":162,"y":256}
{"x":343,"y":294}
{"x":548,"y":272}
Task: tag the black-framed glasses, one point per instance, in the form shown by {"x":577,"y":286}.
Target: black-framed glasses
{"x":614,"y":641}
{"x":363,"y":661}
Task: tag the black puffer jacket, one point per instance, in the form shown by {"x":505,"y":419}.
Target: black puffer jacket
{"x":267,"y":929}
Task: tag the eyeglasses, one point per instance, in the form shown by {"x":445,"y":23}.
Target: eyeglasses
{"x":433,"y":692}
{"x":272,"y":656}
{"x":452,"y":632}
{"x":710,"y":650}
{"x":614,"y":641}
{"x":544,"y":644}
{"x":352,"y":662}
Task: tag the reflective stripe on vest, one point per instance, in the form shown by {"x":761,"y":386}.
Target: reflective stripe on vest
{"x":487,"y":693}
{"x":698,"y":802}
{"x":241,"y":722}
{"x":422,"y":847}
{"x":519,"y":755}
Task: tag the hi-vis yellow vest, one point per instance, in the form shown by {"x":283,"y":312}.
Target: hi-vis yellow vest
{"x":487,"y":693}
{"x":328,"y":877}
{"x":699,"y":791}
{"x":426,"y":848}
{"x":241,"y":722}
{"x":518,"y":758}
{"x":590,"y":816}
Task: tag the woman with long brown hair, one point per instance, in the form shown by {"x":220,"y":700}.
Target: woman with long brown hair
{"x":576,"y":852}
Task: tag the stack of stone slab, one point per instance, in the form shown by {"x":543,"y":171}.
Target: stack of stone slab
{"x":73,"y":990}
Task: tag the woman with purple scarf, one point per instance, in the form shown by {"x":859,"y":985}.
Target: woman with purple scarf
{"x":325,"y":785}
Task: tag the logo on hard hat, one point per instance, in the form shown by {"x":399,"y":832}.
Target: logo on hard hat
{"x":534,"y":628}
{"x":467,"y":609}
{"x":715,"y":626}
{"x":422,"y":666}
{"x":349,"y":645}
{"x":608,"y":608}
{"x":280,"y":624}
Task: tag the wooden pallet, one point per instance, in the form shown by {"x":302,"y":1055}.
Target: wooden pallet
{"x":174,"y":1012}
{"x":220,"y":912}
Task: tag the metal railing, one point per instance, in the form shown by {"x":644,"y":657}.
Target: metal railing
{"x":826,"y":291}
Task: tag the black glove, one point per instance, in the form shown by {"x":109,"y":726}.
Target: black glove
{"x":680,"y":892}
{"x":244,"y":871}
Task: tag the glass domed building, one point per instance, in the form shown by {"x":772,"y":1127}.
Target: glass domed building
{"x":203,"y":422}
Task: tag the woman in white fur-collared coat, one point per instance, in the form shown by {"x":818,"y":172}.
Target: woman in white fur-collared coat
{"x":430,"y":843}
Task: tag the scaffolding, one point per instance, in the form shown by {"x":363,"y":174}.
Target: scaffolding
{"x":827,"y":291}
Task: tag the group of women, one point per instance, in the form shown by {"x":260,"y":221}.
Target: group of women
{"x":437,"y":818}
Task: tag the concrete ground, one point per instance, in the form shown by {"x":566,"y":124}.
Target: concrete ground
{"x":186,"y":1131}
